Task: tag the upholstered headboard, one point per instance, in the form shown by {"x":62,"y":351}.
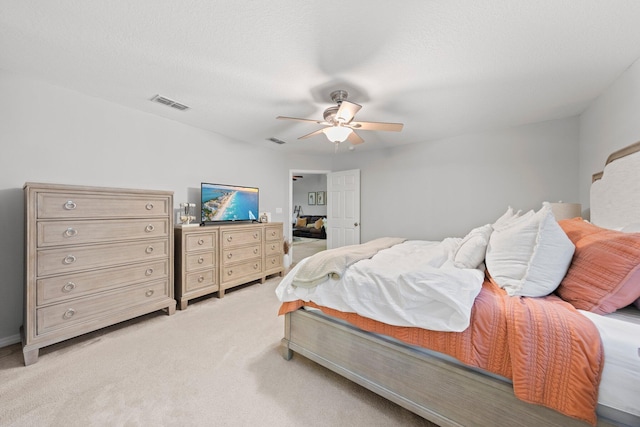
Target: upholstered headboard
{"x":615,"y":192}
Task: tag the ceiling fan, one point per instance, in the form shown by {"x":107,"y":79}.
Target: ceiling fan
{"x":339,"y":123}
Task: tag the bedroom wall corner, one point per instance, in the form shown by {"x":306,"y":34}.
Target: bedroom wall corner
{"x":608,"y":124}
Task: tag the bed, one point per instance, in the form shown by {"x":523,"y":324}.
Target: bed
{"x":447,"y":392}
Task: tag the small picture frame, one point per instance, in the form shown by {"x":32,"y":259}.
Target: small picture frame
{"x":312,"y":199}
{"x":320,"y":197}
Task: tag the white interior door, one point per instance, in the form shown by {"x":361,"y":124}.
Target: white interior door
{"x":343,"y":208}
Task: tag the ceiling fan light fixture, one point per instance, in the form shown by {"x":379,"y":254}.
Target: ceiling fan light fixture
{"x":337,"y":133}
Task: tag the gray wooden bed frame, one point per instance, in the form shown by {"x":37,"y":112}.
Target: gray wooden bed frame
{"x":440,"y":390}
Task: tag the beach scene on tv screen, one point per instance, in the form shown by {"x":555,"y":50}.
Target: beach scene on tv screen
{"x":225,"y":203}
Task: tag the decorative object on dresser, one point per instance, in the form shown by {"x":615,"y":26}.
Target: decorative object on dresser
{"x":187,"y":214}
{"x":93,"y":257}
{"x":215,"y":258}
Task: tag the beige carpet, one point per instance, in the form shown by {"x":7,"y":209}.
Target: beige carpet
{"x":214,"y":364}
{"x":305,"y":247}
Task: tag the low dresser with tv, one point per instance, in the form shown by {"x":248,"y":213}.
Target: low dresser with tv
{"x":214,"y":258}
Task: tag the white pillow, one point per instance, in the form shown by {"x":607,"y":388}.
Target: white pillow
{"x":530,"y":255}
{"x":473,"y":247}
{"x":509,"y":216}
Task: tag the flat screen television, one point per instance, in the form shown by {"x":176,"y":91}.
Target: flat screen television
{"x":222,"y":203}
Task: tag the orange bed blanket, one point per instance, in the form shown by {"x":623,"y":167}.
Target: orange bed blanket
{"x":551,"y":352}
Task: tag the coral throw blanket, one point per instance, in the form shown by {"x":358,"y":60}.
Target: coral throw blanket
{"x":550,"y":351}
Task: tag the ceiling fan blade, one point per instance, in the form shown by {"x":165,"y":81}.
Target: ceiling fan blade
{"x":314,"y":133}
{"x":346,"y":111}
{"x":354,"y":138}
{"x":392,"y":127}
{"x":320,"y":122}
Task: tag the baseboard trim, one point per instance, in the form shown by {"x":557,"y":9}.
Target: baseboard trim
{"x":7,"y":341}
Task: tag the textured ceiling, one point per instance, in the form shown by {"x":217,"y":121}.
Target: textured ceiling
{"x":443,"y":68}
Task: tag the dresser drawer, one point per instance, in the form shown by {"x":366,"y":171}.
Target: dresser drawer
{"x":230,"y":256}
{"x":237,"y":271}
{"x":272,"y":248}
{"x":80,"y":205}
{"x":69,"y":286}
{"x":273,"y":233}
{"x":76,"y":311}
{"x":201,"y":279}
{"x":59,"y":233}
{"x":200,"y":260}
{"x":241,"y":237}
{"x":200,"y":241}
{"x":273,"y":262}
{"x":76,"y":258}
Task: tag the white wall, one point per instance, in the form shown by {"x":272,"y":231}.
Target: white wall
{"x":444,"y":188}
{"x":610,"y":123}
{"x":51,"y":134}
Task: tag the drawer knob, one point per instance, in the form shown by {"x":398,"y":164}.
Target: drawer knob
{"x":255,"y":250}
{"x":200,"y":260}
{"x":70,"y":232}
{"x":229,"y":255}
{"x":200,"y":279}
{"x":148,"y":272}
{"x":230,"y":238}
{"x":273,"y":261}
{"x":69,"y":259}
{"x":201,"y":242}
{"x":70,"y":205}
{"x":255,"y":266}
{"x":68,"y":287}
{"x":149,"y":292}
{"x":69,"y":313}
{"x":273,"y":233}
{"x":273,"y":247}
{"x":229,"y":273}
{"x":149,"y":249}
{"x":149,"y":206}
{"x":149,"y":228}
{"x":255,"y":235}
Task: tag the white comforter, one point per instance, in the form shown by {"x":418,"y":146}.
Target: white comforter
{"x":411,"y":284}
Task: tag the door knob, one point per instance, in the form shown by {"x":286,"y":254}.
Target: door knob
{"x":355,"y":224}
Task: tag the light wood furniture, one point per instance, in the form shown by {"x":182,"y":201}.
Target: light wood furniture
{"x":196,"y":259}
{"x":423,"y":382}
{"x":215,"y":258}
{"x":428,"y":384}
{"x":93,"y":257}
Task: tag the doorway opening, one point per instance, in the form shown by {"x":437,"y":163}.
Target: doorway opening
{"x":307,"y":208}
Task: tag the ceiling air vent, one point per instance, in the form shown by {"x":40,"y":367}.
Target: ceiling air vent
{"x":276,"y":140}
{"x":169,"y":103}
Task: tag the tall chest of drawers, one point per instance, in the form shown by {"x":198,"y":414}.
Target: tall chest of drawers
{"x":93,"y":257}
